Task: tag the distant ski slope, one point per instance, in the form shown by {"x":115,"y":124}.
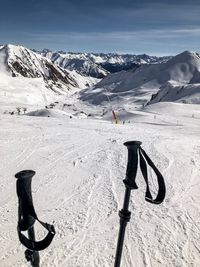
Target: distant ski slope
{"x":178,"y":80}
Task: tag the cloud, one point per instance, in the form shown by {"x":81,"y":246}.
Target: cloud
{"x":126,"y":35}
{"x":106,"y":25}
{"x":156,"y":42}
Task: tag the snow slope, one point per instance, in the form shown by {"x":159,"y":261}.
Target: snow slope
{"x":20,"y":61}
{"x":31,"y":93}
{"x":20,"y":91}
{"x":178,"y":92}
{"x":139,"y":84}
{"x":80,"y":165}
{"x":27,"y":78}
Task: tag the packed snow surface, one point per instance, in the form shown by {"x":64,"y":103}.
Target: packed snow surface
{"x":80,"y":165}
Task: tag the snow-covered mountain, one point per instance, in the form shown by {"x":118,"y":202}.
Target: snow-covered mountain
{"x":176,"y":92}
{"x":177,"y":79}
{"x":184,"y":83}
{"x":19,"y":61}
{"x":79,"y":62}
{"x":99,"y":64}
{"x":29,"y":78}
{"x":180,"y":74}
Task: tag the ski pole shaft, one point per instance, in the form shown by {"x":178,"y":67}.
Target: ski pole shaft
{"x":35,"y":258}
{"x":124,"y":215}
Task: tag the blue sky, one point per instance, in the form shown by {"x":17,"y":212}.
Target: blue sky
{"x":124,"y":26}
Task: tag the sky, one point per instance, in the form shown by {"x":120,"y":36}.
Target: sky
{"x":155,"y":27}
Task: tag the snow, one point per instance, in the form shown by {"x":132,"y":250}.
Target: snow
{"x":22,"y":62}
{"x":99,"y":58}
{"x":93,"y":64}
{"x":20,"y":91}
{"x":83,"y":81}
{"x":33,"y":92}
{"x":50,"y":112}
{"x":173,"y":91}
{"x":3,"y":57}
{"x":38,"y":88}
{"x":81,"y":63}
{"x":29,"y":59}
{"x":178,"y":80}
{"x":80,"y":162}
{"x":80,"y":165}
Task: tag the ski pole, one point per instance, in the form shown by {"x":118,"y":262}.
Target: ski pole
{"x":135,"y":150}
{"x":25,"y":220}
{"x":27,"y":217}
{"x":130,"y":184}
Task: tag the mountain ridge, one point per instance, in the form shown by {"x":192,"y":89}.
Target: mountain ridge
{"x":141,"y":83}
{"x":176,"y":80}
{"x":29,"y":78}
{"x":99,"y":65}
{"x":20,"y":61}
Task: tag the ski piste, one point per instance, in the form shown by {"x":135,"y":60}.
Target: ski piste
{"x":27,"y":215}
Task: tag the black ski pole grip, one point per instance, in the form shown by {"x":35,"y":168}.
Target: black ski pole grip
{"x":132,"y":164}
{"x":27,"y":213}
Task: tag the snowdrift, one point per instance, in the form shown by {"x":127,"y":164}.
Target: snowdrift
{"x":49,"y":113}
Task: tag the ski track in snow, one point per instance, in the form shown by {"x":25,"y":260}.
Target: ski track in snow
{"x":80,"y":165}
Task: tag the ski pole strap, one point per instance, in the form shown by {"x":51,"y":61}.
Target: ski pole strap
{"x":161,"y":183}
{"x":27,"y":215}
{"x":37,"y":245}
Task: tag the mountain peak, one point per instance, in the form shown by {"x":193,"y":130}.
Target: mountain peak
{"x":19,"y":61}
{"x":186,"y":56}
{"x":182,"y":71}
{"x":46,"y":50}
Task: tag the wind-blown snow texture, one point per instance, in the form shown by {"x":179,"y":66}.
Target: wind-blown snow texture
{"x":80,"y":165}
